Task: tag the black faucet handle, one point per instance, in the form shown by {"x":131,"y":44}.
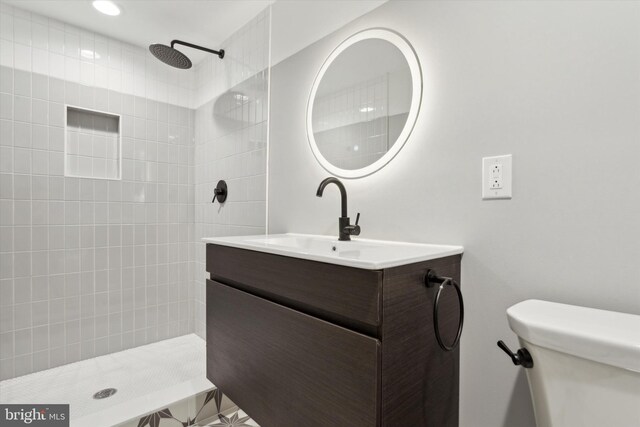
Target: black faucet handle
{"x":353,"y":230}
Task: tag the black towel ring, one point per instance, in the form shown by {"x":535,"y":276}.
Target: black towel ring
{"x":431,"y":279}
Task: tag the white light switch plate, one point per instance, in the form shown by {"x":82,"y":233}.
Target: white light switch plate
{"x":496,"y":177}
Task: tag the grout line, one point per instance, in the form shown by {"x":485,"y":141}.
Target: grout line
{"x":268,"y":141}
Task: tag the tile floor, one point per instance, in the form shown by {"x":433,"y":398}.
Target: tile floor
{"x":236,"y":418}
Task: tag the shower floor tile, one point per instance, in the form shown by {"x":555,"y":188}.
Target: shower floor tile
{"x":147,"y":378}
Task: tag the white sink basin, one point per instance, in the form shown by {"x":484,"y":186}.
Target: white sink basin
{"x":359,"y":253}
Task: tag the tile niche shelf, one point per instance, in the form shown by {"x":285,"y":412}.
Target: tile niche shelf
{"x":92,"y":146}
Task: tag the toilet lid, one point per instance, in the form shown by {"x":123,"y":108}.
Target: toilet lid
{"x":603,"y":336}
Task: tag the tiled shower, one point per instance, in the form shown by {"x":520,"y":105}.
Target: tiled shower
{"x":231,"y":144}
{"x":97,"y":260}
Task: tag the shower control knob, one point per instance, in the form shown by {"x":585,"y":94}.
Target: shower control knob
{"x":220,"y":192}
{"x":522,"y":357}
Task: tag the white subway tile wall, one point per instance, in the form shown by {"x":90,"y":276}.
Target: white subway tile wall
{"x":231,"y":144}
{"x":94,"y":266}
{"x":45,"y":46}
{"x":90,"y":266}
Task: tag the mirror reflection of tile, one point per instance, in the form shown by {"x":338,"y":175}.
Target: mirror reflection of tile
{"x":356,"y":126}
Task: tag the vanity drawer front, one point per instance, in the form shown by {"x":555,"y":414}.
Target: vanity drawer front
{"x":348,"y":296}
{"x":288,"y":369}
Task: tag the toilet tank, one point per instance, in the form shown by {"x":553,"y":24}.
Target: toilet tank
{"x":586,"y":368}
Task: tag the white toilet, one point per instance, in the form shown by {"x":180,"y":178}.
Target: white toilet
{"x":586,"y":364}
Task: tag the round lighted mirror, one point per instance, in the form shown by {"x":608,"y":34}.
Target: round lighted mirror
{"x":364,"y":103}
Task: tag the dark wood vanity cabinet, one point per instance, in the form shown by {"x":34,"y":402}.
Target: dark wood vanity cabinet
{"x":303,"y":343}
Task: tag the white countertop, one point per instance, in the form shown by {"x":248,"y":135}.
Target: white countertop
{"x":358,"y":253}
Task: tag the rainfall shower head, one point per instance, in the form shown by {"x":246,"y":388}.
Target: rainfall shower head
{"x":171,"y":56}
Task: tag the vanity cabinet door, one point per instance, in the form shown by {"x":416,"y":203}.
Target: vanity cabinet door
{"x":346,"y":296}
{"x":288,"y":369}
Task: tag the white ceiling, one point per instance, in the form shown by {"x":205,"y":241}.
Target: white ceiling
{"x":296,"y":23}
{"x":142,"y":22}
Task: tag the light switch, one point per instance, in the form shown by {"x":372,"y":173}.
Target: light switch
{"x":496,"y":177}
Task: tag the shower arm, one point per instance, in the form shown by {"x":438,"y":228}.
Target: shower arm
{"x":220,"y":52}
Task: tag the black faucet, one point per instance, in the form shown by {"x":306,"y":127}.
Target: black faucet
{"x":345,"y":229}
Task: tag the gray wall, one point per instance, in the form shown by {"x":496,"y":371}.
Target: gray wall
{"x":557,"y":85}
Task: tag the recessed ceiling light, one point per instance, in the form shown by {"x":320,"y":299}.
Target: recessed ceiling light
{"x":107,"y":7}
